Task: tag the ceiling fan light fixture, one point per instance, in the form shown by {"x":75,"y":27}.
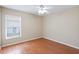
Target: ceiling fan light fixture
{"x":42,"y":10}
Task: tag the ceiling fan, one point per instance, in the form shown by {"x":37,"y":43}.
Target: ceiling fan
{"x":42,"y":10}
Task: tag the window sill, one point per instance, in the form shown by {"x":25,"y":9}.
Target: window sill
{"x":12,"y":37}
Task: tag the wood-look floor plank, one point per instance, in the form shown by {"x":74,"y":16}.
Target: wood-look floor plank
{"x":39,"y":46}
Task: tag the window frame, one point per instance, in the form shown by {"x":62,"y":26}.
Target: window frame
{"x":15,"y":36}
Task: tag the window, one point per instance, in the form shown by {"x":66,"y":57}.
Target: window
{"x":12,"y":26}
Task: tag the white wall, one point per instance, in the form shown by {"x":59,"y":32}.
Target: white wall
{"x":0,"y":26}
{"x":31,"y":26}
{"x":63,"y":27}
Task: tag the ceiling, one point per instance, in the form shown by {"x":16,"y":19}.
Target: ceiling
{"x":33,"y":9}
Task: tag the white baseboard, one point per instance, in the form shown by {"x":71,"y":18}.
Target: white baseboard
{"x":62,"y":42}
{"x":41,"y":37}
{"x":19,"y":42}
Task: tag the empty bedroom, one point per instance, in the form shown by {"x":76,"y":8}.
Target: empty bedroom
{"x":39,"y":29}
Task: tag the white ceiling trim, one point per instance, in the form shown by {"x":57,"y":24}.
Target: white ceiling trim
{"x":52,"y":9}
